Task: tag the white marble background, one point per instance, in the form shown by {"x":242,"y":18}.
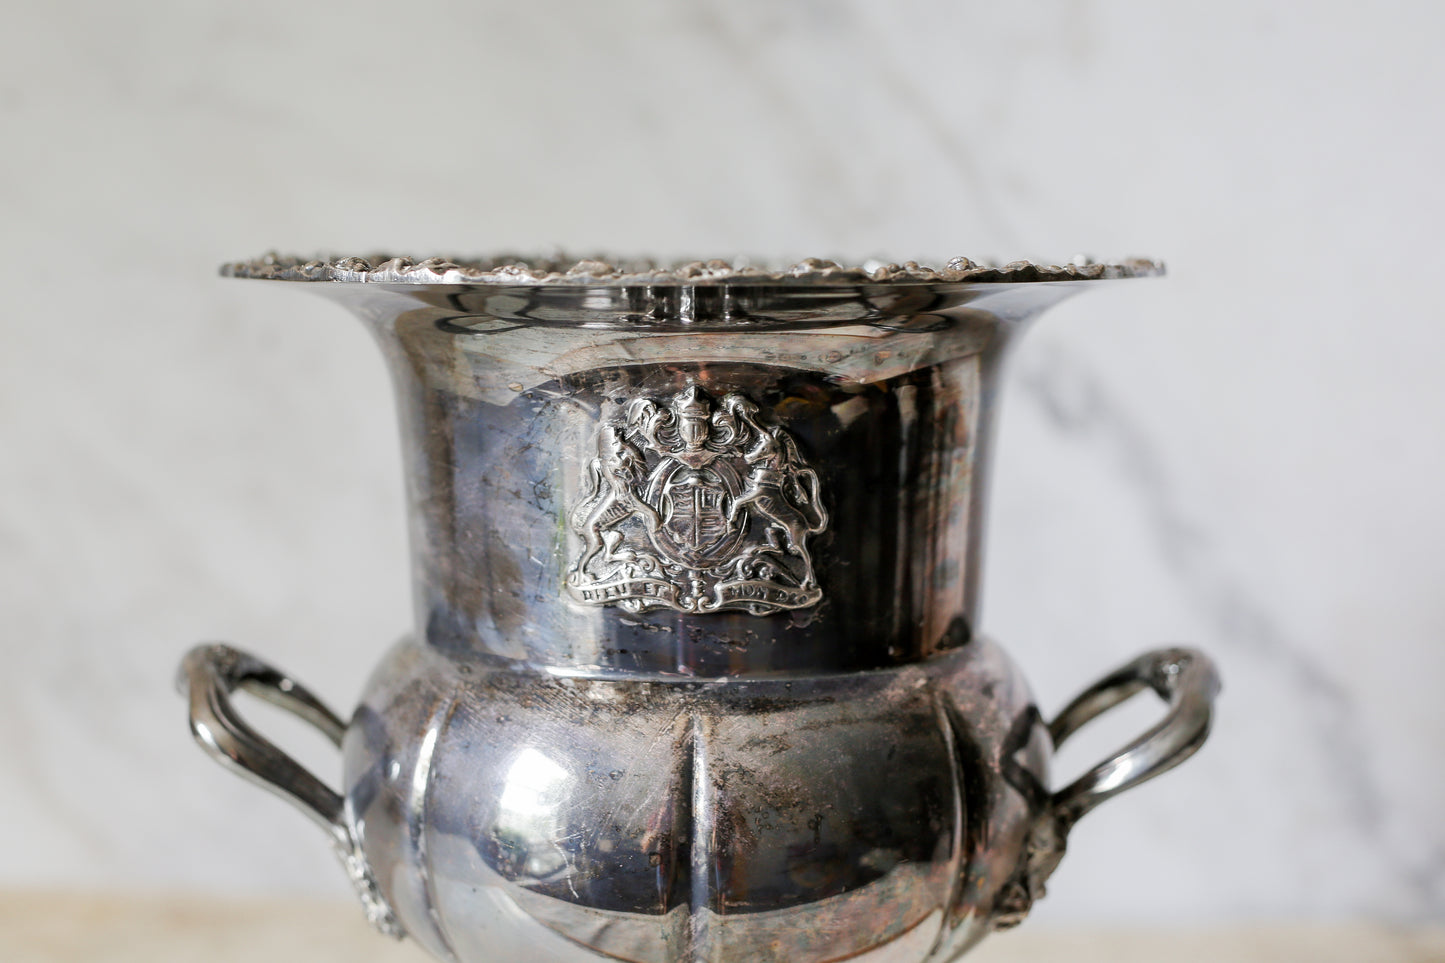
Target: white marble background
{"x":1247,"y":455}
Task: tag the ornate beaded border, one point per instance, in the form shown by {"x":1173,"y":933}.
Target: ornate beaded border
{"x":559,"y":270}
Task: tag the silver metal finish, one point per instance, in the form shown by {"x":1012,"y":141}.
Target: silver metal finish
{"x":208,"y":676}
{"x":696,"y":509}
{"x":562,"y":271}
{"x":694,"y":675}
{"x":1184,"y":678}
{"x":1187,"y":680}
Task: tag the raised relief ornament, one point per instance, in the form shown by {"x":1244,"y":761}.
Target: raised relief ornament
{"x":693,"y":504}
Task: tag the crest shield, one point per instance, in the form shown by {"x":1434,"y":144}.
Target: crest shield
{"x":693,"y":504}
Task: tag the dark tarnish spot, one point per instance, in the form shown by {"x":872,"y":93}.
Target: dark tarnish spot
{"x":1015,"y":773}
{"x":956,"y":635}
{"x":772,"y":743}
{"x":506,"y":607}
{"x":972,"y":769}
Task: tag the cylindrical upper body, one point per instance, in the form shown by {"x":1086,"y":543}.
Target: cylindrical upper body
{"x":719,"y":476}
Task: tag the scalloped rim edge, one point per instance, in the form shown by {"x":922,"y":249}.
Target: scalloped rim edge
{"x":560,"y":271}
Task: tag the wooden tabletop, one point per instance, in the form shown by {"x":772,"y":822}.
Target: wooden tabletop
{"x":110,"y":928}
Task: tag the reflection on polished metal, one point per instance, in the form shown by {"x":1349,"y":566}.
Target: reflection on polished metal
{"x":694,"y":675}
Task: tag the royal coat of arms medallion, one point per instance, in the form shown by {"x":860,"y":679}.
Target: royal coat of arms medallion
{"x":694,"y":504}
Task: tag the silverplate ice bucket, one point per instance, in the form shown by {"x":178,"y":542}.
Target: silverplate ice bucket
{"x":695,"y":673}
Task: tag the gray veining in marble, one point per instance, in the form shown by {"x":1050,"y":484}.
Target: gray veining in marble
{"x":1078,"y":404}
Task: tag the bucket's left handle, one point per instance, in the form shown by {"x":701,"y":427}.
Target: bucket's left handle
{"x":208,"y":676}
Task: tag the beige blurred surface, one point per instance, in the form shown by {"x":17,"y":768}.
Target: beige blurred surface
{"x":106,"y":928}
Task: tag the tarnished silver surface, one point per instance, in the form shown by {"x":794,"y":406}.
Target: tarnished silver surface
{"x":558,"y":269}
{"x":694,"y":674}
{"x":208,"y":676}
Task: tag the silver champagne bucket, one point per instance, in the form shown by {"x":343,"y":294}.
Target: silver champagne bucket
{"x":695,"y":673}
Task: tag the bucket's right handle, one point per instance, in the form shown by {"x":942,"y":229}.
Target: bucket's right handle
{"x":209,"y":675}
{"x":1186,"y":679}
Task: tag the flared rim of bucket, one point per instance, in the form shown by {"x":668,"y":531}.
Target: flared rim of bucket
{"x":565,"y":271}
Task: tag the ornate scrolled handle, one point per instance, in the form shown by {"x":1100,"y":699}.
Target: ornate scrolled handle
{"x":208,"y":676}
{"x":1186,"y":679}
